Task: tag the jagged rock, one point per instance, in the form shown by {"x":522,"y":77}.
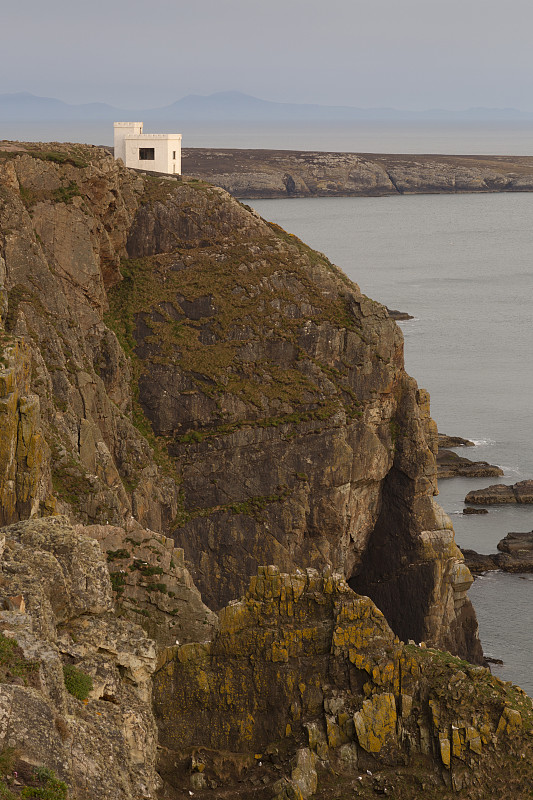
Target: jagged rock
{"x":64,"y":218}
{"x":450,"y":465}
{"x":398,"y":315}
{"x":152,"y":585}
{"x":66,"y":619}
{"x":303,"y":656}
{"x":469,"y":510}
{"x":521,"y":492}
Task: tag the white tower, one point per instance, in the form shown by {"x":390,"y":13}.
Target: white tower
{"x":121,"y":130}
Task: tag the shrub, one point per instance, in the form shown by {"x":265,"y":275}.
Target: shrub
{"x":77,"y":682}
{"x":51,"y":788}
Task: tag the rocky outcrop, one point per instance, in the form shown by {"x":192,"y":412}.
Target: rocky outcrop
{"x":451,"y":465}
{"x":286,"y":173}
{"x":64,"y":218}
{"x":75,"y":684}
{"x":305,"y":681}
{"x":516,"y":555}
{"x":152,"y":585}
{"x":521,"y":492}
{"x":212,"y":377}
{"x":25,"y":479}
{"x":454,"y":441}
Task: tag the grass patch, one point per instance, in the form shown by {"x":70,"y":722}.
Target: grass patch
{"x":65,"y":193}
{"x":13,"y":664}
{"x":77,"y":682}
{"x":57,"y":157}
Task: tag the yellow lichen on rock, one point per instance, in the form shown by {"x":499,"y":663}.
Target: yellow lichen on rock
{"x":376,"y":722}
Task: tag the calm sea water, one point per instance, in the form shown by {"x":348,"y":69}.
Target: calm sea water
{"x":462,"y":266}
{"x":503,"y":138}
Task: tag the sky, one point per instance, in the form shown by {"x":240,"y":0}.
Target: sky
{"x":406,"y":54}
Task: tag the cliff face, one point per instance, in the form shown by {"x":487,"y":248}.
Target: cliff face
{"x":306,"y":684}
{"x":287,"y":173}
{"x":57,"y":617}
{"x":285,"y":429}
{"x":201,"y":394}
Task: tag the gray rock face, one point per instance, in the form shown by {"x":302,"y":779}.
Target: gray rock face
{"x":59,"y":584}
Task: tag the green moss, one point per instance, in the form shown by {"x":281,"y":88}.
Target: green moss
{"x":113,"y":555}
{"x":157,"y":587}
{"x":65,"y":193}
{"x":58,"y":157}
{"x":118,"y":581}
{"x":77,"y":682}
{"x":46,"y":787}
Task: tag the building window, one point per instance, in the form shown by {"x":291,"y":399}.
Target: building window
{"x":146,"y":154}
{"x":174,"y":155}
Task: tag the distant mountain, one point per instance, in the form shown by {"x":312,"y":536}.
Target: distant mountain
{"x":226,"y":106}
{"x":26,"y":107}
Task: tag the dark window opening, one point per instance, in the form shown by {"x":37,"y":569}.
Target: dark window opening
{"x":146,"y":154}
{"x":174,"y":155}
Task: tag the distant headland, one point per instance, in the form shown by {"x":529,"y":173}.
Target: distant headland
{"x":291,"y":173}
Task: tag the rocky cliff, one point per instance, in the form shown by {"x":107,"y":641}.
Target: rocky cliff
{"x":202,"y":394}
{"x":290,"y":173}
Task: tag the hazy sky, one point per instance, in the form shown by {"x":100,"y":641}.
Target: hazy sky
{"x":403,"y":53}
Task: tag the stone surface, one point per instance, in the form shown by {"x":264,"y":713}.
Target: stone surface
{"x":454,"y":441}
{"x":59,"y":613}
{"x":521,"y":492}
{"x":152,"y":585}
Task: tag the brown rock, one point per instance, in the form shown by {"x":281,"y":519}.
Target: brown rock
{"x":453,"y":441}
{"x":450,"y":465}
{"x":521,"y":492}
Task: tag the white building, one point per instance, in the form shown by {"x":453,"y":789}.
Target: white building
{"x":152,"y":152}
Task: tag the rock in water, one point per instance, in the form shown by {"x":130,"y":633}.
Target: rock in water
{"x":450,"y":465}
{"x":521,"y":492}
{"x":516,"y":555}
{"x":454,"y":441}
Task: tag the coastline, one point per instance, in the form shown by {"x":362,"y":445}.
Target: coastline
{"x":265,"y":174}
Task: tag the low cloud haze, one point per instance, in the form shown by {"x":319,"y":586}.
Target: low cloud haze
{"x":412,"y":54}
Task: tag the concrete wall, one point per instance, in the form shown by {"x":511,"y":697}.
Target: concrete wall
{"x":129,"y":139}
{"x":121,"y":130}
{"x":164,"y":145}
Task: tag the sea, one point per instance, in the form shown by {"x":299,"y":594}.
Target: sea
{"x":463,"y":267}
